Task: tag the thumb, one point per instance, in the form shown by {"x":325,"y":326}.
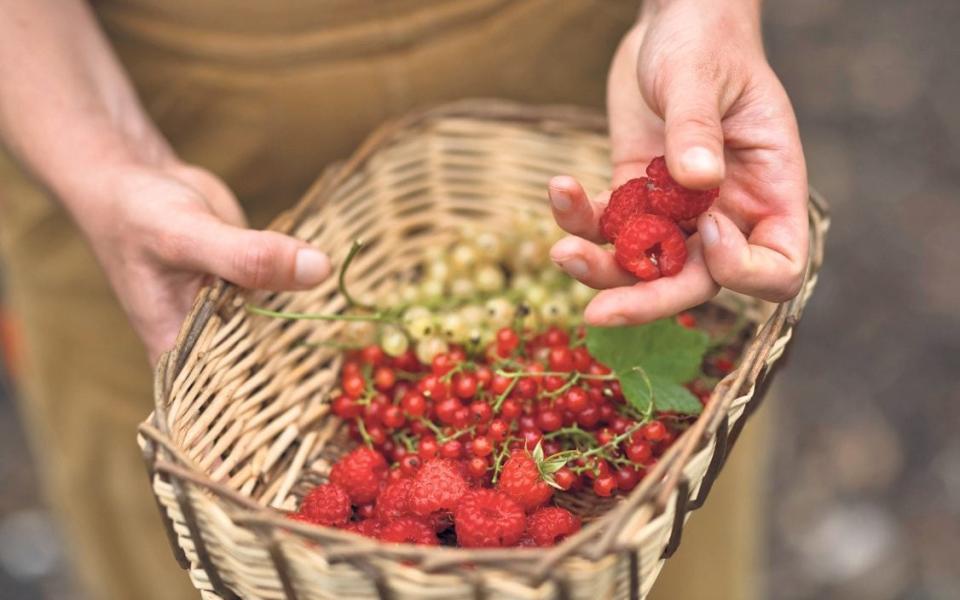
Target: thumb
{"x":693,"y":132}
{"x":254,"y":259}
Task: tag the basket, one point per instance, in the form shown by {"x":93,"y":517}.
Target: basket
{"x":242,"y":423}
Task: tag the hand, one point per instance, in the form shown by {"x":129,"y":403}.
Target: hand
{"x":158,"y":230}
{"x":690,"y":81}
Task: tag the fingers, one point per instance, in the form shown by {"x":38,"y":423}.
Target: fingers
{"x":648,"y":301}
{"x":249,"y":258}
{"x":574,"y":212}
{"x":693,"y":130}
{"x":770,"y":265}
{"x":589,"y":263}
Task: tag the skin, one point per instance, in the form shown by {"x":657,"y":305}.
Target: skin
{"x":159,"y":226}
{"x":714,"y":107}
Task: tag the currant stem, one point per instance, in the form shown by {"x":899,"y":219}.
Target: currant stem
{"x":341,"y":279}
{"x":266,"y":312}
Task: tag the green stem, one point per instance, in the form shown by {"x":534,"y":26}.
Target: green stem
{"x":266,"y":312}
{"x":503,"y":396}
{"x":363,"y":432}
{"x":341,"y":279}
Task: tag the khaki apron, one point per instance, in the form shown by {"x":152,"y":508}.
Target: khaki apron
{"x":265,"y":94}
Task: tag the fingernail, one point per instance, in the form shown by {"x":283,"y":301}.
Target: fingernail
{"x":311,"y":267}
{"x":709,"y":231}
{"x":560,"y":200}
{"x":575,"y":266}
{"x":699,"y":160}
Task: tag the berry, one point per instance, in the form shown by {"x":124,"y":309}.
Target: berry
{"x":498,"y":430}
{"x":604,"y":485}
{"x":373,"y":355}
{"x":639,"y":451}
{"x":327,"y":504}
{"x":480,"y":412}
{"x":438,"y":485}
{"x":507,"y":341}
{"x":368,"y":528}
{"x":561,"y":359}
{"x":627,"y":478}
{"x":427,"y":448}
{"x":650,"y":246}
{"x":451,"y":449}
{"x":477,"y":466}
{"x":354,"y":385}
{"x":654,"y":431}
{"x":414,"y":404}
{"x":551,"y":524}
{"x":360,"y":473}
{"x":577,"y":400}
{"x":565,"y":478}
{"x":549,"y":420}
{"x":627,"y":201}
{"x":521,"y":480}
{"x":408,"y":530}
{"x":384,"y":378}
{"x":668,"y":198}
{"x":465,"y":385}
{"x":409,"y":464}
{"x":346,"y":407}
{"x":581,"y":359}
{"x":487,"y":518}
{"x":481,"y":446}
{"x":392,"y":417}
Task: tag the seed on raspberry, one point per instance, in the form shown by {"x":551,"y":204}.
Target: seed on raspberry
{"x":651,"y":246}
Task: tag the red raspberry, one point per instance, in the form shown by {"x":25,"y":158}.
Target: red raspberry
{"x":393,"y":501}
{"x":487,"y":518}
{"x":408,"y":530}
{"x":368,"y":528}
{"x":650,"y":246}
{"x":551,"y":524}
{"x":360,"y":473}
{"x":521,"y":480}
{"x":437,"y":486}
{"x":627,"y":201}
{"x":668,"y":198}
{"x":326,"y":504}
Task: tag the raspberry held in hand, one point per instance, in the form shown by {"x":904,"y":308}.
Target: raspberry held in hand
{"x":651,"y":246}
{"x":668,"y":198}
{"x":626,"y":201}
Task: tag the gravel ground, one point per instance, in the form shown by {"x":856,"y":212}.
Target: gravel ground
{"x":866,"y":464}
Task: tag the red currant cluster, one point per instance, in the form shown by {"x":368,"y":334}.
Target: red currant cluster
{"x":473,"y":448}
{"x":641,"y":220}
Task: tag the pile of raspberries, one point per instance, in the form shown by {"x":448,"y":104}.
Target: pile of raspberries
{"x":642,"y":222}
{"x":439,"y":497}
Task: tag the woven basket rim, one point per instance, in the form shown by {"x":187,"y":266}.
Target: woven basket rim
{"x":665,"y":483}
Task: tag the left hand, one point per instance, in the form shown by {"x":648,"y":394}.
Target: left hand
{"x":690,"y":81}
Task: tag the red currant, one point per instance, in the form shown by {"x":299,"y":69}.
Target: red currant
{"x":373,"y":355}
{"x":482,"y":446}
{"x":565,"y":478}
{"x":409,"y":464}
{"x":510,"y":409}
{"x":561,"y":359}
{"x":346,"y":407}
{"x":582,"y":359}
{"x":384,"y":378}
{"x":392,"y":417}
{"x":507,"y":341}
{"x":655,"y":431}
{"x":451,"y":449}
{"x":627,"y":478}
{"x":498,"y":430}
{"x":577,"y":400}
{"x":639,"y":451}
{"x":550,"y":420}
{"x":604,"y":485}
{"x":480,"y":412}
{"x":354,"y":386}
{"x":427,"y":448}
{"x":465,"y":385}
{"x":414,"y":404}
{"x":478,"y":466}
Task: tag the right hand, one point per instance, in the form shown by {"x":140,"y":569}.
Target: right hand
{"x":158,"y":231}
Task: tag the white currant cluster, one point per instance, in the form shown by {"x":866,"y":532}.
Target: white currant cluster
{"x":470,"y":289}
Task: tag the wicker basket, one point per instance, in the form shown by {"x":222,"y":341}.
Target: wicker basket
{"x":242,"y":423}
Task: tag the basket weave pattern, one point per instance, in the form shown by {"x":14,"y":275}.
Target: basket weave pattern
{"x":242,"y":423}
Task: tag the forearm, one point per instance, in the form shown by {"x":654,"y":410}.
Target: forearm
{"x":67,"y":110}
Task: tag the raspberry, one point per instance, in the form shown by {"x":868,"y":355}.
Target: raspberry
{"x":408,"y":530}
{"x":521,"y":480}
{"x":651,"y":246}
{"x":360,"y":473}
{"x":438,"y":485}
{"x":626,"y":201}
{"x":393,"y":501}
{"x":487,"y":518}
{"x":326,"y":504}
{"x":368,"y":528}
{"x":669,"y":199}
{"x":551,"y":524}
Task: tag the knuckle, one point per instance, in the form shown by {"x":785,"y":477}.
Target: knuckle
{"x":255,"y":265}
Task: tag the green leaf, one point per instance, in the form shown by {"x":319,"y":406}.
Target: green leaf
{"x":665,"y":395}
{"x":663,"y":349}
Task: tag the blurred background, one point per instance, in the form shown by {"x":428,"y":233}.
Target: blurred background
{"x":864,"y":498}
